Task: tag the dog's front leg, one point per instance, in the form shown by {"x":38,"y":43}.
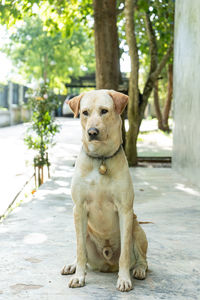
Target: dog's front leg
{"x":124,"y":283}
{"x":80,"y":220}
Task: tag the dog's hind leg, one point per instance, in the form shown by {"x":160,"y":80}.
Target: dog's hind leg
{"x":140,"y":245}
{"x":69,"y":269}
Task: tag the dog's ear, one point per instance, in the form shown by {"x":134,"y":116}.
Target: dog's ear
{"x":74,"y":104}
{"x":120,"y":101}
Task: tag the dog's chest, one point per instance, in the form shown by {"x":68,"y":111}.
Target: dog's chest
{"x":94,"y":179}
{"x":99,"y":191}
{"x":95,"y":182}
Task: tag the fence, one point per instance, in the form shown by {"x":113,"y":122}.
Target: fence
{"x":12,"y":110}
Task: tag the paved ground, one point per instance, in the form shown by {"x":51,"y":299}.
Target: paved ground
{"x":38,"y":238}
{"x":15,"y":163}
{"x":152,"y":142}
{"x":155,"y":144}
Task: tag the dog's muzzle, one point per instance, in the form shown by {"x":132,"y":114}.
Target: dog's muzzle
{"x":93,"y":133}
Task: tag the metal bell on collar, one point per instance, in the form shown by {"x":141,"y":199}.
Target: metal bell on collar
{"x":102,"y":169}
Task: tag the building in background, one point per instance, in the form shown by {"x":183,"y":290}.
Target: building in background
{"x":13,"y":108}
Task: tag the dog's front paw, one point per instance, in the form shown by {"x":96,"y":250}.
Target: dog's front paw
{"x":70,"y":269}
{"x":77,"y":281}
{"x":124,"y":285}
{"x":139,"y":272}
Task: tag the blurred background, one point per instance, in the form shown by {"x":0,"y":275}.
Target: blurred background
{"x":51,"y":51}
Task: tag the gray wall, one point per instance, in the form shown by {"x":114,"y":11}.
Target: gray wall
{"x":186,"y":152}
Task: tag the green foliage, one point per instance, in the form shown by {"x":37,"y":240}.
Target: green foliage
{"x":67,"y":36}
{"x":161,"y":13}
{"x":40,"y":135}
{"x":57,"y":15}
{"x":40,"y":55}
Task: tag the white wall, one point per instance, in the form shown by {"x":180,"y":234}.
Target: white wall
{"x":186,"y":152}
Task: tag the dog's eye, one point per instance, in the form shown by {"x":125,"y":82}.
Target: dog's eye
{"x":85,"y":113}
{"x":104,"y":111}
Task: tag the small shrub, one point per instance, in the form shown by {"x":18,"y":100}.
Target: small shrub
{"x":40,"y":136}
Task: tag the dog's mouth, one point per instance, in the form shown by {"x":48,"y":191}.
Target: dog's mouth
{"x":93,"y":139}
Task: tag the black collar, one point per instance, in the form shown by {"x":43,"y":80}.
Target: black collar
{"x":103,"y":158}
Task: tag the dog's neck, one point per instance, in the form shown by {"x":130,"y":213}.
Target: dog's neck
{"x":103,"y":157}
{"x":102,"y":148}
{"x":103,"y":168}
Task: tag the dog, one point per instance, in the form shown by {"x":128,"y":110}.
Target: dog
{"x":109,"y":237}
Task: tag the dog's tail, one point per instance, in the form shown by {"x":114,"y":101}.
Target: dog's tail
{"x":145,"y":222}
{"x":107,"y":253}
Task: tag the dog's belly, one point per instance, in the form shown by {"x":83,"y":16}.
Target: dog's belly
{"x":103,"y":230}
{"x":103,"y":217}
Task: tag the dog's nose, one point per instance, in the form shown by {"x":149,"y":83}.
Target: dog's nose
{"x":93,"y":132}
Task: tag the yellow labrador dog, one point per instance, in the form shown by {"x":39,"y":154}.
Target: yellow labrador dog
{"x":109,"y":237}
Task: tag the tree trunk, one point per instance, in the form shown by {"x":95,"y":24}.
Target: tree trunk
{"x":106,"y":44}
{"x":157,"y":106}
{"x":163,"y":118}
{"x":168,"y":102}
{"x":133,"y":104}
{"x":133,"y":119}
{"x":137,"y":101}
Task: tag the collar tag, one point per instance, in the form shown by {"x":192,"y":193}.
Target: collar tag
{"x":102,"y":168}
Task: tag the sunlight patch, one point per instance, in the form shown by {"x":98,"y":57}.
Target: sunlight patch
{"x":35,"y":238}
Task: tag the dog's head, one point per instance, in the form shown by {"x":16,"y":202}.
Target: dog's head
{"x":100,"y":118}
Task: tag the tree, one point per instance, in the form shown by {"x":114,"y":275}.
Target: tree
{"x":106,"y":44}
{"x":163,"y":116}
{"x":137,"y":99}
{"x":67,"y":17}
{"x":139,"y":14}
{"x":39,"y":54}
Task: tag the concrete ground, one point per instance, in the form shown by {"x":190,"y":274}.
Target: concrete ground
{"x":38,"y":237}
{"x":152,"y":142}
{"x":15,"y":163}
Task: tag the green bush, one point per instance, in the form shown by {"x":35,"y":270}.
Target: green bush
{"x":40,"y":136}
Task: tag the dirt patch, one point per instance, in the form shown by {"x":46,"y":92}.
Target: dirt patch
{"x":19,"y":287}
{"x":33,"y":260}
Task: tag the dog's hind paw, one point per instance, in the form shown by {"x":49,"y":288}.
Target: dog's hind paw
{"x":70,"y":269}
{"x":139,"y":272}
{"x":76,"y":281}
